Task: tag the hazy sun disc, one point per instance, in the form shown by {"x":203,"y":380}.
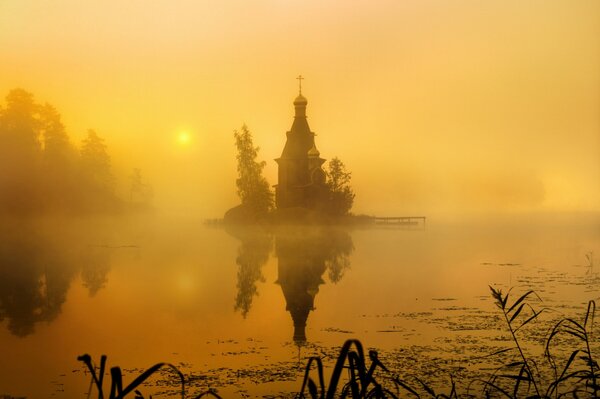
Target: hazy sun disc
{"x":183,"y":138}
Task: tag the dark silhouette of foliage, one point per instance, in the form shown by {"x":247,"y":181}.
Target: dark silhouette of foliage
{"x":95,"y":162}
{"x":94,"y":269}
{"x":34,"y":279}
{"x":360,"y":376}
{"x":516,"y":318}
{"x":585,"y":377}
{"x":341,"y":195}
{"x":253,"y":254}
{"x":20,"y":153}
{"x":20,"y":123}
{"x":97,"y":180}
{"x":253,"y":189}
{"x":140,"y":192}
{"x":362,"y":382}
{"x":57,"y":147}
{"x":578,"y":376}
{"x":59,"y":161}
{"x":339,"y":246}
{"x":41,"y":170}
{"x":302,"y":256}
{"x":117,"y":390}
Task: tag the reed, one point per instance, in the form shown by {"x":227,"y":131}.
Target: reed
{"x":361,"y":382}
{"x":117,"y":391}
{"x":518,"y":378}
{"x":523,"y":370}
{"x":580,"y":373}
{"x":578,"y":377}
{"x":359,"y":376}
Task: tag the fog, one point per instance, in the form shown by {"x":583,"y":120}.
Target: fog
{"x":436,"y":107}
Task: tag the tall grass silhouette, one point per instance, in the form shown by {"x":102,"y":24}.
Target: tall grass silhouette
{"x":357,"y":376}
{"x":117,"y":391}
{"x":583,"y":376}
{"x":524,"y":369}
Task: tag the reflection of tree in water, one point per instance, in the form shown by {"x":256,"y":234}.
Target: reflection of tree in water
{"x":304,"y":256}
{"x":33,"y":283}
{"x":253,"y":254}
{"x":35,"y":275}
{"x":340,"y":247}
{"x":95,"y":268}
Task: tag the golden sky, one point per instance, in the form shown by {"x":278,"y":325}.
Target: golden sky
{"x":433,"y":105}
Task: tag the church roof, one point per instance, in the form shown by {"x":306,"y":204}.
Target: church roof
{"x":300,"y":100}
{"x":300,"y":140}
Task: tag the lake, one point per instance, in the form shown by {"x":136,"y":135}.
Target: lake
{"x":240,"y":310}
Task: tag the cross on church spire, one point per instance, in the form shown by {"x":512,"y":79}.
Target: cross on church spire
{"x":300,"y":83}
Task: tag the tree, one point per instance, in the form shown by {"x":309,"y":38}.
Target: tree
{"x":140,"y":192}
{"x":341,"y":195}
{"x":20,"y":152}
{"x":19,"y":124}
{"x":58,"y":160}
{"x":96,"y":162}
{"x":40,"y":170}
{"x":57,"y":148}
{"x":253,"y":189}
{"x":97,"y":179}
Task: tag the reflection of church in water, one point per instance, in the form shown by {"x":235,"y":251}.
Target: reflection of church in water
{"x":301,"y":265}
{"x":305,"y":255}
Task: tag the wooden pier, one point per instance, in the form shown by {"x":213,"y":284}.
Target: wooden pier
{"x":400,"y":220}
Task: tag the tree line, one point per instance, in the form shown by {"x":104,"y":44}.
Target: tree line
{"x":42,"y":170}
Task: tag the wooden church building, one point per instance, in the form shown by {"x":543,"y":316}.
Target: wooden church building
{"x":301,"y":179}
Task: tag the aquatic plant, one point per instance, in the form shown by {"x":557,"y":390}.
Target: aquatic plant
{"x":524,"y":366}
{"x":116,"y":387}
{"x":367,"y":377}
{"x":580,"y":373}
{"x":361,"y":381}
{"x":584,"y":378}
{"x":515,"y":378}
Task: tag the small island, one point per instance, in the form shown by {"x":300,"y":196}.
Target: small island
{"x":305,"y":193}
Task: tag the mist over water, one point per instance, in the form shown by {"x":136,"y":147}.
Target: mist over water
{"x":243,"y":306}
{"x":117,"y":145}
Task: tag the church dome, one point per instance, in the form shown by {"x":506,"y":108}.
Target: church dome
{"x":300,"y":100}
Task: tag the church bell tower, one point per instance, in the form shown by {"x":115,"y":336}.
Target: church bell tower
{"x":301,"y":179}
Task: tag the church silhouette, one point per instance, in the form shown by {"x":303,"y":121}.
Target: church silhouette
{"x":301,"y":178}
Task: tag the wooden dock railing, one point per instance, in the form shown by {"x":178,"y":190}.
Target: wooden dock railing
{"x":401,"y":220}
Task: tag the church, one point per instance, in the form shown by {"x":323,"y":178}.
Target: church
{"x":301,"y":179}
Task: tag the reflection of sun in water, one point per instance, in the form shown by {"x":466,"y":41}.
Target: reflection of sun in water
{"x":185,"y":283}
{"x":183,"y":138}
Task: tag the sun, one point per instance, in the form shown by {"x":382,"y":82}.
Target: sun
{"x":183,"y":138}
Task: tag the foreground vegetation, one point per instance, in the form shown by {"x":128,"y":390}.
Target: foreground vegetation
{"x":356,"y":375}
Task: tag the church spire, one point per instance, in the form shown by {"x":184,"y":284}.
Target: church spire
{"x":300,"y":101}
{"x":300,"y":84}
{"x":300,"y":178}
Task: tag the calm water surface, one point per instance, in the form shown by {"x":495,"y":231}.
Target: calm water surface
{"x":240,"y":309}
